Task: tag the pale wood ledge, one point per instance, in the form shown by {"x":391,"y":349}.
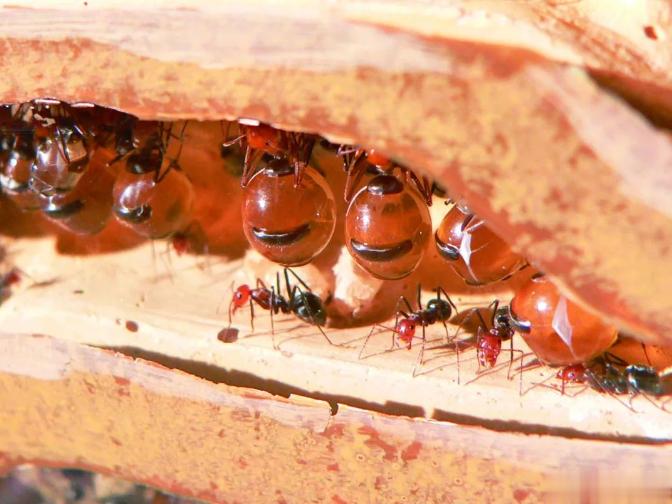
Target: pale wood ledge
{"x":179,"y":308}
{"x":66,"y":404}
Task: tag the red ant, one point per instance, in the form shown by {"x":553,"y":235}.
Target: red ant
{"x":437,"y":310}
{"x":301,"y":302}
{"x":489,"y":339}
{"x":260,"y":139}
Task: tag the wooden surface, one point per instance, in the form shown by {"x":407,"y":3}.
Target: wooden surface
{"x":177,"y":309}
{"x":233,"y":445}
{"x":573,"y":177}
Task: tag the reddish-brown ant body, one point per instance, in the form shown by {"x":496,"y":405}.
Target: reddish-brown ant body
{"x":475,"y":253}
{"x":300,"y":301}
{"x":286,"y":222}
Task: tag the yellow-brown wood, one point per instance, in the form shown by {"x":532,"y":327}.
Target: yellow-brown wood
{"x":66,"y":404}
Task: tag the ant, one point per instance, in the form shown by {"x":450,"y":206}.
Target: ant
{"x":358,"y":161}
{"x":612,"y":375}
{"x":438,"y":309}
{"x":302,"y":302}
{"x":260,"y":140}
{"x":489,"y":338}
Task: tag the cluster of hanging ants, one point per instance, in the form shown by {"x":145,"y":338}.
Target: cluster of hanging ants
{"x":81,"y":165}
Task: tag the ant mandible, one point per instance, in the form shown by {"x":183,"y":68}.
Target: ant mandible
{"x":302,"y":302}
{"x":438,"y":309}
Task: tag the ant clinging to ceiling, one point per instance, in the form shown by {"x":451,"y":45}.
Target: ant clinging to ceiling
{"x":260,"y":140}
{"x":300,"y":301}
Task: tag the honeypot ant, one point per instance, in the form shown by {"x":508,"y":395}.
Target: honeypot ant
{"x":358,"y":161}
{"x":303,"y":303}
{"x":17,"y":155}
{"x":259,"y":139}
{"x":437,"y":310}
{"x":489,"y":337}
{"x":154,"y":201}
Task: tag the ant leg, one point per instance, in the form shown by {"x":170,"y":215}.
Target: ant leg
{"x":310,"y":312}
{"x":421,"y":354}
{"x":275,"y":346}
{"x":356,"y":170}
{"x":450,"y":301}
{"x":419,"y":296}
{"x":646,"y":354}
{"x":457,"y":348}
{"x":252,"y":158}
{"x":251,"y":314}
{"x":298,"y":279}
{"x":366,"y":340}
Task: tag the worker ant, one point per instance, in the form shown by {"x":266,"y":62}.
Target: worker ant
{"x":612,"y":375}
{"x":300,"y":301}
{"x":489,"y":337}
{"x":437,"y":310}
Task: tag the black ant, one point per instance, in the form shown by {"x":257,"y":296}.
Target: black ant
{"x":438,"y":309}
{"x":612,"y":375}
{"x":300,"y":301}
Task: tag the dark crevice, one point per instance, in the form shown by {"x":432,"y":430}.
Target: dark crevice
{"x":654,"y":102}
{"x":216,"y":374}
{"x":235,"y":378}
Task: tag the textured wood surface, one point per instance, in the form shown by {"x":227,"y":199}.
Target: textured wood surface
{"x":570,"y":175}
{"x":181,"y":433}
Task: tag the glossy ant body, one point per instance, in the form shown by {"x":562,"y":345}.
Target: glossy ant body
{"x":438,"y":309}
{"x":63,"y":148}
{"x":300,"y":301}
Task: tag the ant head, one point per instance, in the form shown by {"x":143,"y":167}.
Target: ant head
{"x":405,"y":329}
{"x":377,"y":159}
{"x":263,"y":137}
{"x":241,"y":296}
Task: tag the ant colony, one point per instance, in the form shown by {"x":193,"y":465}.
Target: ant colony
{"x":334,"y":236}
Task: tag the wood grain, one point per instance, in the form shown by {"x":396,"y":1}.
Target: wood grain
{"x":234,"y":445}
